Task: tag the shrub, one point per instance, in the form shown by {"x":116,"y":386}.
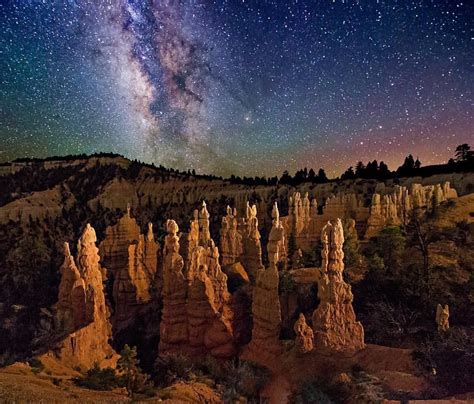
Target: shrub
{"x":247,"y":377}
{"x":449,"y":359}
{"x":171,"y":368}
{"x":99,"y":379}
{"x":36,"y":365}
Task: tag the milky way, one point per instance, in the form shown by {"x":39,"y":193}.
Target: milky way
{"x":242,"y":87}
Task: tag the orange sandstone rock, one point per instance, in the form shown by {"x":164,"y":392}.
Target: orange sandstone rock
{"x":133,"y":261}
{"x":83,"y":316}
{"x":266,"y":303}
{"x":334,"y":321}
{"x":252,"y":248}
{"x":209,"y":312}
{"x":174,"y":324}
{"x":304,"y":335}
{"x":231,"y":239}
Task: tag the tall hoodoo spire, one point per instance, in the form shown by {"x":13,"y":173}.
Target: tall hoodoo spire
{"x":334,"y":321}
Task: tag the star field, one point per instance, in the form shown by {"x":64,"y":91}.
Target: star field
{"x":237,"y":87}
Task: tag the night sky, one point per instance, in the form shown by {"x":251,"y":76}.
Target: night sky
{"x":237,"y":87}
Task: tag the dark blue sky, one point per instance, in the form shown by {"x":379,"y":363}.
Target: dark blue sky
{"x":243,"y":87}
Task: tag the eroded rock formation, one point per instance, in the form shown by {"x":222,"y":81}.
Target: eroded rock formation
{"x":442,"y":317}
{"x":209,"y":313}
{"x":71,"y":296}
{"x":81,"y":311}
{"x":174,"y":323}
{"x":252,"y":254}
{"x":304,"y":335}
{"x":114,"y":247}
{"x":396,"y":208}
{"x":231,"y":239}
{"x":131,"y":284}
{"x":334,"y":321}
{"x":133,"y":260}
{"x":266,"y":303}
{"x":197,"y":318}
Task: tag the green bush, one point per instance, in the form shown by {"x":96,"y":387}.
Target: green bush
{"x":100,"y":379}
{"x":36,"y":365}
{"x":246,"y":378}
{"x":171,"y":368}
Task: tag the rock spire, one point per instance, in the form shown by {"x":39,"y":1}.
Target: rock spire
{"x":334,"y":321}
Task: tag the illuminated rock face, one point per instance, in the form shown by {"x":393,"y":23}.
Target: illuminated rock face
{"x":231,"y":239}
{"x":442,"y":318}
{"x":388,"y":206}
{"x":334,"y":321}
{"x":114,"y":248}
{"x":81,"y":311}
{"x":132,"y":259}
{"x":304,"y":224}
{"x":252,"y":248}
{"x":174,"y":324}
{"x":397,"y":207}
{"x":209,"y":312}
{"x":304,"y":335}
{"x":197,"y":318}
{"x":266,"y":303}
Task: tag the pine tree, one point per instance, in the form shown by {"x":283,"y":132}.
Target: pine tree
{"x":462,"y":152}
{"x":128,"y":364}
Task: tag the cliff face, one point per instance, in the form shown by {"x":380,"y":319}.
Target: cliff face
{"x":81,"y":312}
{"x":197,"y":317}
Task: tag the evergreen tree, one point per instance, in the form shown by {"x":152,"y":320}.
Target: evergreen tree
{"x":348,"y":174}
{"x":285,"y":178}
{"x":384,"y":172}
{"x":390,"y":246}
{"x":462,"y":152}
{"x":322,"y":176}
{"x":360,"y":170}
{"x":128,"y":364}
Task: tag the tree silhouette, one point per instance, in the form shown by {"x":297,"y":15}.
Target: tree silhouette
{"x":462,"y":152}
{"x":322,"y":177}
